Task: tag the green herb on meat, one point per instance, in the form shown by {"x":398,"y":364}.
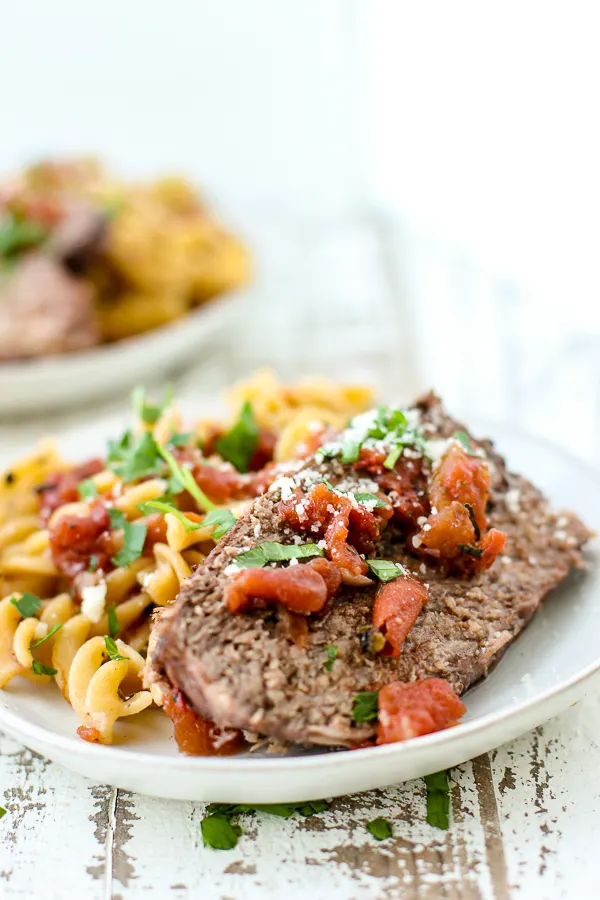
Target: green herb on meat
{"x":465,"y":441}
{"x":223,"y":521}
{"x":365,"y":706}
{"x":237,"y":446}
{"x":476,"y":528}
{"x":475,"y":552}
{"x":438,"y":799}
{"x":271,"y":551}
{"x":385,"y":569}
{"x":380,"y":829}
{"x":332,"y":654}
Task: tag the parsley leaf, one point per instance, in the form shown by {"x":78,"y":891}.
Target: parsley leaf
{"x":113,"y":622}
{"x":385,"y":570}
{"x":438,"y":799}
{"x":17,"y":235}
{"x":27,"y":604}
{"x":93,"y":563}
{"x":271,"y":551}
{"x":332,"y":653}
{"x":239,"y":444}
{"x":222,"y":519}
{"x":134,"y":460}
{"x":219,"y":833}
{"x":112,"y":649}
{"x":184,"y":478}
{"x":87,"y":490}
{"x":134,"y":535}
{"x":380,"y":829}
{"x":351,"y":451}
{"x":150,"y":413}
{"x":393,"y":456}
{"x":40,"y":669}
{"x":166,"y":507}
{"x":47,"y":637}
{"x":117,"y":518}
{"x":370,"y":498}
{"x":180,"y":439}
{"x":465,"y":441}
{"x":366,"y":706}
{"x":2,"y":811}
{"x":469,"y":550}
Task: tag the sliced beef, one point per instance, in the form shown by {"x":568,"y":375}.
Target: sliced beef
{"x":246,"y":671}
{"x":44,"y":310}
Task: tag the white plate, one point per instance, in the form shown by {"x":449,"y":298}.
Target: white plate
{"x":545,"y":671}
{"x":41,"y":385}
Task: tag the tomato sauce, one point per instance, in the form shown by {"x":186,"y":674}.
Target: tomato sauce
{"x":195,"y":735}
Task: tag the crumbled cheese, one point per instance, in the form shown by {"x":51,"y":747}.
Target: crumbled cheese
{"x":411,"y":454}
{"x":416,"y":542}
{"x":423,"y":569}
{"x":506,"y":560}
{"x":562,"y":522}
{"x":560,"y":535}
{"x":231,"y":569}
{"x":257,"y":530}
{"x":426,"y":527}
{"x":331,"y":509}
{"x":436,"y":448}
{"x":512,"y":500}
{"x":322,"y":545}
{"x":300,"y":510}
{"x":293,"y":561}
{"x":434,"y":511}
{"x":41,"y":630}
{"x":286,"y":485}
{"x":144,"y":578}
{"x":314,"y":527}
{"x":93,"y":601}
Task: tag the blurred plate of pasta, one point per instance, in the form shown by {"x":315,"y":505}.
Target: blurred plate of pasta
{"x":104,"y":283}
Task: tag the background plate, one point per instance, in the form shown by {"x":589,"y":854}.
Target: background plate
{"x":546,"y":670}
{"x":41,"y":385}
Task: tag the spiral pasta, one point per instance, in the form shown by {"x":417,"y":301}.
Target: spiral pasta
{"x":89,"y":553}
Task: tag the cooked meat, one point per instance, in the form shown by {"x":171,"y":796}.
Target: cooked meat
{"x":79,"y":236}
{"x":44,"y":310}
{"x":245,"y":670}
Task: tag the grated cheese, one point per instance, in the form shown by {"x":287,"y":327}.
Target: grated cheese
{"x":93,"y":601}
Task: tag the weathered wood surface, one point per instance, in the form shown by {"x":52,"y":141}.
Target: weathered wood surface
{"x":351,"y":300}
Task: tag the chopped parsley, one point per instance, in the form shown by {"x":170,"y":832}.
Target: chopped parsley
{"x":27,"y":604}
{"x":393,"y":456}
{"x":183,"y":480}
{"x":350,"y":450}
{"x":18,"y":235}
{"x":366,"y":706}
{"x":237,"y":446}
{"x":132,"y":459}
{"x":113,"y":622}
{"x":87,"y":490}
{"x":93,"y":563}
{"x":220,"y":833}
{"x":134,"y":536}
{"x":39,"y":668}
{"x":2,"y":811}
{"x":469,"y":550}
{"x":332,"y":652}
{"x":438,"y":799}
{"x":386,"y":425}
{"x":150,"y":413}
{"x":470,"y":509}
{"x":465,"y":441}
{"x":47,"y":637}
{"x":370,"y":499}
{"x":271,"y":551}
{"x":180,"y":439}
{"x":112,"y":650}
{"x":117,"y":518}
{"x":223,"y":521}
{"x":385,"y":569}
{"x":380,"y":829}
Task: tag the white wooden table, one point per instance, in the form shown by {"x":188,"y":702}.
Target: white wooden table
{"x":353,"y":299}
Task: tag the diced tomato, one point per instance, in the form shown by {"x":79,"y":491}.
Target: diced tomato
{"x":264,"y":451}
{"x":463,"y":478}
{"x":220,"y":484}
{"x":304,"y":588}
{"x":492,"y":544}
{"x":75,"y":539}
{"x":406,"y":483}
{"x":196,"y":735}
{"x":157,"y":531}
{"x":410,"y":709}
{"x":397,"y":605}
{"x":61,"y":487}
{"x":449,"y":529}
{"x":89,"y":733}
{"x":348,"y":530}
